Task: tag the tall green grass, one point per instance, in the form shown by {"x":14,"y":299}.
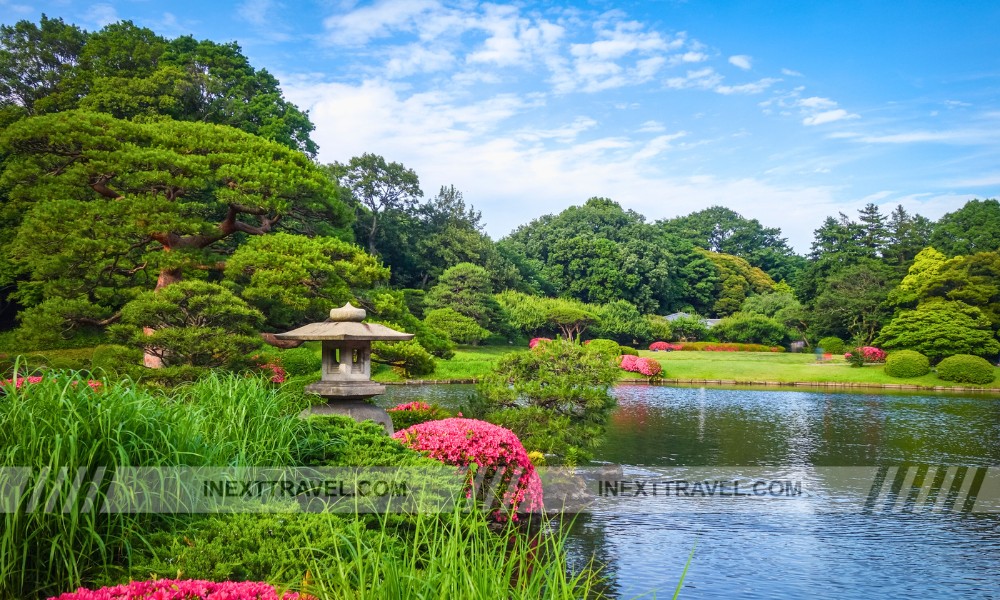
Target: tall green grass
{"x":52,"y":542}
{"x":61,"y":430}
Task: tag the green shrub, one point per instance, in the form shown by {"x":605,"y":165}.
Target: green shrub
{"x":414,"y":413}
{"x":194,"y":323}
{"x":116,"y":360}
{"x":607,"y":347}
{"x":750,"y":329}
{"x":300,"y":361}
{"x":458,"y":327}
{"x":623,"y":350}
{"x":907,"y":363}
{"x":277,"y":548}
{"x":832,"y":344}
{"x":409,"y":358}
{"x":966,"y":368}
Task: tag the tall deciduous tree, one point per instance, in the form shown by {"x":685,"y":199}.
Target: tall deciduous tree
{"x":973,"y":228}
{"x":723,"y":230}
{"x":941,"y":328}
{"x":377,"y":188}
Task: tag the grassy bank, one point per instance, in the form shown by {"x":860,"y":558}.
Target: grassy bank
{"x":61,"y":425}
{"x":743,"y":367}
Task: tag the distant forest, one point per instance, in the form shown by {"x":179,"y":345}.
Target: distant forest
{"x":130,"y":162}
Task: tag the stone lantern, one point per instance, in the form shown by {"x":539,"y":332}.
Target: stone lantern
{"x":346,"y":377}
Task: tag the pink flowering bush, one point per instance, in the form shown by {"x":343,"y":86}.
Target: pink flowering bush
{"x":664,"y":347}
{"x":866,"y":354}
{"x":413,"y":413}
{"x":491,"y":448}
{"x":645,"y":366}
{"x":538,"y":340}
{"x":184,"y":589}
{"x":271,"y":367}
{"x":648,"y":367}
{"x":627,"y":362}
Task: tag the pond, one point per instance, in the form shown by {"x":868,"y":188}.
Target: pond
{"x":820,"y":552}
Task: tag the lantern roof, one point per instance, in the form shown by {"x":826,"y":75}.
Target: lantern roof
{"x":345,"y":324}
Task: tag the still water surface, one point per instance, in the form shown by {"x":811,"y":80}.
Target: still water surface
{"x":814,"y":553}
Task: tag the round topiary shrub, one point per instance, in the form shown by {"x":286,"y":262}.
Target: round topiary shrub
{"x":907,"y":363}
{"x":966,"y":368}
{"x":625,"y":350}
{"x":606,"y":347}
{"x":832,"y":344}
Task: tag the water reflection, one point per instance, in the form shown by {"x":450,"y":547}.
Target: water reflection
{"x":815,"y":553}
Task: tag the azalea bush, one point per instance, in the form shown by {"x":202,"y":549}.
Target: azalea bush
{"x":865,"y":354}
{"x":726,"y":347}
{"x":664,"y":347}
{"x":644,"y":366}
{"x":494,"y":451}
{"x":538,"y":340}
{"x":412,"y":413}
{"x":184,"y":589}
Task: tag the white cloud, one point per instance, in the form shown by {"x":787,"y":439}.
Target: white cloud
{"x":687,"y":58}
{"x":255,"y":12}
{"x":376,"y":20}
{"x":409,"y":60}
{"x":828,"y":116}
{"x":791,"y":73}
{"x":953,"y":136}
{"x":705,"y":79}
{"x":651,"y":127}
{"x":741,"y":61}
{"x":755,"y":87}
{"x":101,"y":14}
{"x":817,"y":103}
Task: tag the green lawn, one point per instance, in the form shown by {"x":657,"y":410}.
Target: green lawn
{"x":742,"y":367}
{"x":757,"y":367}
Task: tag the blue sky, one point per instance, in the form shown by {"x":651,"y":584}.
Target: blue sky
{"x":786,"y":112}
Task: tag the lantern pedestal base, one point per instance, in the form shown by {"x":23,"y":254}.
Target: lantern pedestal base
{"x":345,"y":390}
{"x":359,"y":410}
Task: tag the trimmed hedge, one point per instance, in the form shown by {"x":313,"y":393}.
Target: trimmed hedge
{"x":833,"y":345}
{"x":966,"y":368}
{"x":602,"y":346}
{"x":627,"y":351}
{"x":726,"y":347}
{"x":907,"y":363}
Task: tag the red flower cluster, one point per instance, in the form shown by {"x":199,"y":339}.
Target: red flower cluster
{"x":664,"y":347}
{"x":183,"y":589}
{"x":94,"y":384}
{"x":535,"y":341}
{"x":415,"y":405}
{"x":278,"y":373}
{"x":646,"y":366}
{"x":871,"y":354}
{"x":464,"y":442}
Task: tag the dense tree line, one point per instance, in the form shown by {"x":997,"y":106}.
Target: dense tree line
{"x":130,"y":163}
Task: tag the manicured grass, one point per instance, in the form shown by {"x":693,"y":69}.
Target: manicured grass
{"x":471,"y":362}
{"x":758,"y":367}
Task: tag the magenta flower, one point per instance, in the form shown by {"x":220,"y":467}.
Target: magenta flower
{"x":467,"y":442}
{"x":184,"y":589}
